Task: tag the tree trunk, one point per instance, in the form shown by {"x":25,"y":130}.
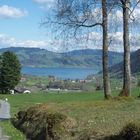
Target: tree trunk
{"x":106,"y":80}
{"x":126,"y":91}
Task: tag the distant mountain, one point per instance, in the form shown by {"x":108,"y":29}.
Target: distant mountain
{"x":35,"y":57}
{"x":135,"y":64}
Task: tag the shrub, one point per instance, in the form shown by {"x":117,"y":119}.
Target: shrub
{"x":37,"y":123}
{"x":131,"y":131}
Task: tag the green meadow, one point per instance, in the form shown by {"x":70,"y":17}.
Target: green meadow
{"x":90,"y":110}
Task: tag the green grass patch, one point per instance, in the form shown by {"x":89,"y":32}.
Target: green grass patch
{"x":11,"y":131}
{"x":90,"y":110}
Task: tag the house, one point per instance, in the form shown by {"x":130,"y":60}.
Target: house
{"x":21,"y":90}
{"x":23,"y":79}
{"x":52,"y":78}
{"x":12,"y":91}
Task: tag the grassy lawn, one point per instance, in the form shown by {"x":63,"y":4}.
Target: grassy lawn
{"x":90,"y":110}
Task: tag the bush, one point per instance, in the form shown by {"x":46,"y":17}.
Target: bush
{"x":37,"y":123}
{"x":131,"y":131}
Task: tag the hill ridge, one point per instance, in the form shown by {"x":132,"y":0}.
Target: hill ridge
{"x":36,"y":57}
{"x":135,"y":64}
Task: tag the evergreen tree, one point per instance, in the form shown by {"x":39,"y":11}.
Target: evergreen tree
{"x":9,"y":72}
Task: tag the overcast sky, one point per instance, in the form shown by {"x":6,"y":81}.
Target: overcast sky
{"x":20,"y":27}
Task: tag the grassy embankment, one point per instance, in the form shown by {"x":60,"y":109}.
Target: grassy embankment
{"x":90,"y":110}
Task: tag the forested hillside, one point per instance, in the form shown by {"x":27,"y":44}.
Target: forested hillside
{"x":35,"y":57}
{"x":135,"y":64}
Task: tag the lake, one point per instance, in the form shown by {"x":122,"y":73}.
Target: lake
{"x":63,"y":73}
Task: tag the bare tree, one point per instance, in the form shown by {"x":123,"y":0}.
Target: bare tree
{"x":126,"y":91}
{"x":106,"y":82}
{"x":127,"y":16}
{"x":127,"y":9}
{"x":81,"y":14}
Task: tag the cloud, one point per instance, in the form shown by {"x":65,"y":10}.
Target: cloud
{"x":94,"y":42}
{"x":45,"y":4}
{"x":115,"y":41}
{"x":43,"y":1}
{"x":8,"y":41}
{"x":136,"y":14}
{"x":11,"y":12}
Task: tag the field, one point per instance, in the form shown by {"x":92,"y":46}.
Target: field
{"x":90,"y":110}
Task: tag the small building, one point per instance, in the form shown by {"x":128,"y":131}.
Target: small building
{"x":21,"y":90}
{"x":23,"y":79}
{"x":52,"y":78}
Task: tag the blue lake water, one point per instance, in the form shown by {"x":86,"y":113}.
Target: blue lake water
{"x":63,"y":73}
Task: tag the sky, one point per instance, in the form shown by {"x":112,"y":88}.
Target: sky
{"x":20,"y":23}
{"x":20,"y":27}
{"x":20,"y":19}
